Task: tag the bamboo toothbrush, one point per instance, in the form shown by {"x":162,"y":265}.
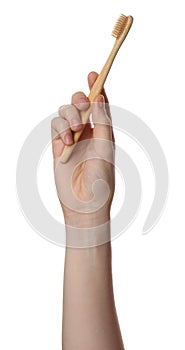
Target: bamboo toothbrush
{"x":120,"y":32}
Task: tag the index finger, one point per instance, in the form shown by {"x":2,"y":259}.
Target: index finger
{"x":80,"y":100}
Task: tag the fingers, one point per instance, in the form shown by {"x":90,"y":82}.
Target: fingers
{"x":69,"y":119}
{"x":61,"y":128}
{"x":71,"y":114}
{"x":80,"y":101}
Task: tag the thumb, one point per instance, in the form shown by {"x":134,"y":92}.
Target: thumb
{"x":101,"y":121}
{"x":92,"y":77}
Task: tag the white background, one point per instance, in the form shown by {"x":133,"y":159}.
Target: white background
{"x":47,"y":49}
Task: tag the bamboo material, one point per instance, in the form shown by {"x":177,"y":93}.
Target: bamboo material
{"x":120,"y":31}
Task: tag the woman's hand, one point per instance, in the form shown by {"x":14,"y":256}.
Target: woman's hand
{"x":85,"y":184}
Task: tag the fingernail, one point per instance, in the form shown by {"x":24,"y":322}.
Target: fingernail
{"x":101,"y":101}
{"x":82,"y":101}
{"x":68,"y":139}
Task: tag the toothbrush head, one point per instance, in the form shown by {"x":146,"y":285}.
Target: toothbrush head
{"x":122,"y":25}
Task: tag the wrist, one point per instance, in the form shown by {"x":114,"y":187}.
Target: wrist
{"x":87,"y":230}
{"x":84,"y":220}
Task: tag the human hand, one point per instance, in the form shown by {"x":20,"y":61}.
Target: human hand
{"x":91,"y":163}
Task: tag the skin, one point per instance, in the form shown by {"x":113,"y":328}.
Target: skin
{"x":89,"y":314}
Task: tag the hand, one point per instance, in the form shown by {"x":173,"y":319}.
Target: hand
{"x":92,"y":161}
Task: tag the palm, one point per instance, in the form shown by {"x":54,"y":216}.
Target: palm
{"x":88,"y":171}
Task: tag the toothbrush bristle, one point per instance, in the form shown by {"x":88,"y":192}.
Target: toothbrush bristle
{"x":120,"y":25}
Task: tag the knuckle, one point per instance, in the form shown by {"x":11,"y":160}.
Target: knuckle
{"x":54,"y":122}
{"x":68,"y":112}
{"x":77,"y":95}
{"x":64,"y":126}
{"x":59,"y":125}
{"x":62,"y":109}
{"x":72,"y":113}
